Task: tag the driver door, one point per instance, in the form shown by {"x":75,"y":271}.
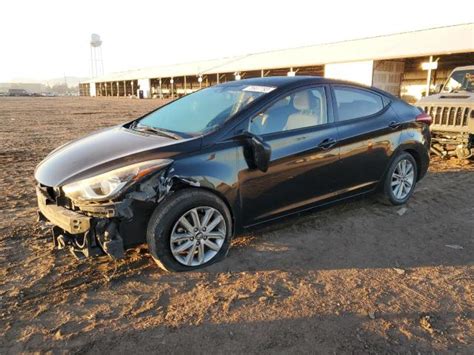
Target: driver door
{"x":300,"y":130}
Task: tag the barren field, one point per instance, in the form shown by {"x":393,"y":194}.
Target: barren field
{"x":357,"y":277}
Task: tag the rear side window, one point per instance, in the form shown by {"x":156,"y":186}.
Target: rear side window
{"x":354,"y":103}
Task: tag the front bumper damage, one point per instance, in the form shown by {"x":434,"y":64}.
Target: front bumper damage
{"x":84,"y":235}
{"x":106,"y":228}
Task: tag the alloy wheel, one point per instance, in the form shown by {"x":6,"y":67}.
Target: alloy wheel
{"x":197,"y":236}
{"x":403,"y":178}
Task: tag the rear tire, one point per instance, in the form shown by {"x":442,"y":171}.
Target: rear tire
{"x":400,"y":180}
{"x":177,"y":236}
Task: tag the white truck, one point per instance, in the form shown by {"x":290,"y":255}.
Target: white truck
{"x":452,"y":110}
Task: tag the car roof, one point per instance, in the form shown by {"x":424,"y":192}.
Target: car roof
{"x":279,"y":81}
{"x":288,"y":81}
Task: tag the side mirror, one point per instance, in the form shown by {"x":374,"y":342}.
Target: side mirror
{"x":258,"y":152}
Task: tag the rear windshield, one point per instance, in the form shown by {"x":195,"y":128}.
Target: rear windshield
{"x":204,"y":110}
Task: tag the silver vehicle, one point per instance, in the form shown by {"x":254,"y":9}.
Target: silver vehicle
{"x":452,"y":110}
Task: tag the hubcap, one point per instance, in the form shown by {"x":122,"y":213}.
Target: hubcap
{"x":403,"y":178}
{"x":197,"y":236}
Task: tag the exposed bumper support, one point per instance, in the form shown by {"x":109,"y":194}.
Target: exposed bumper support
{"x":84,"y":236}
{"x":70,"y":221}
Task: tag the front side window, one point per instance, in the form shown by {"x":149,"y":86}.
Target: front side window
{"x":204,"y":110}
{"x":353,"y":103}
{"x":301,"y":109}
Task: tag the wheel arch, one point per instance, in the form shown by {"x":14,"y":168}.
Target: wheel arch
{"x":168,"y":210}
{"x":415,"y":149}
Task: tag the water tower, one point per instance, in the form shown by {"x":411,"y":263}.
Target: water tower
{"x":97,"y":64}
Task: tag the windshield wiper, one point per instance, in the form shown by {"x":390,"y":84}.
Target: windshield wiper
{"x":158,"y":131}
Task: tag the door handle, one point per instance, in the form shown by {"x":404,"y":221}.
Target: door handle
{"x":327,"y":143}
{"x":394,"y":124}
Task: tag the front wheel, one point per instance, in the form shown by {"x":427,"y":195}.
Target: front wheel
{"x":401,"y":179}
{"x":189,"y":230}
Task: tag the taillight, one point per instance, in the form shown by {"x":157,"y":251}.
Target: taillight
{"x":424,"y":118}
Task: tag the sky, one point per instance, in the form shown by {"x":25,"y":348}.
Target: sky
{"x":49,"y":39}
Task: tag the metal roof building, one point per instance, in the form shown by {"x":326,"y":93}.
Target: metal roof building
{"x":391,"y":62}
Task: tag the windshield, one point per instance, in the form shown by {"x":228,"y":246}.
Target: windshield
{"x":203,"y":110}
{"x":460,"y":80}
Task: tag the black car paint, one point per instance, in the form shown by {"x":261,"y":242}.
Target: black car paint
{"x":105,"y":150}
{"x":308,"y":167}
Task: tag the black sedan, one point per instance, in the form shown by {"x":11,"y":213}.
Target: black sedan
{"x":190,"y":175}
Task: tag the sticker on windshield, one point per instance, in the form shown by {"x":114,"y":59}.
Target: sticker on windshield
{"x":257,"y":88}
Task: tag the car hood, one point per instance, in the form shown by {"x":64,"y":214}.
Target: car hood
{"x":457,"y":98}
{"x":106,"y":150}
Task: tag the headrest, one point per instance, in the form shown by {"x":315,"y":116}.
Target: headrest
{"x":301,"y":101}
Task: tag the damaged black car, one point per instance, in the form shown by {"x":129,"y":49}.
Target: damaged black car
{"x":188,"y":176}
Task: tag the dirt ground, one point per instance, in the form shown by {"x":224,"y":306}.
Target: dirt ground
{"x":357,"y":277}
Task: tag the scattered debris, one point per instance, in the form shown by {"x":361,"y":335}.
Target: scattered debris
{"x":243,"y":296}
{"x":371,"y":315}
{"x":402,"y":211}
{"x":454,"y":246}
{"x":426,"y":323}
{"x":58,"y":335}
{"x":399,"y":271}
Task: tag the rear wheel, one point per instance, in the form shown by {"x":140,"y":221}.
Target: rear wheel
{"x":189,"y":230}
{"x":400,"y":180}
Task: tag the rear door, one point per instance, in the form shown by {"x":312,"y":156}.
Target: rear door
{"x":369,"y":131}
{"x":299,"y":128}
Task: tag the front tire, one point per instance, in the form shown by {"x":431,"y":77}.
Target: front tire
{"x":190,"y":229}
{"x":400,"y":180}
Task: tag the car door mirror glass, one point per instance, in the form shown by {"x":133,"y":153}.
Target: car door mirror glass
{"x":257,"y":152}
{"x":261,"y":153}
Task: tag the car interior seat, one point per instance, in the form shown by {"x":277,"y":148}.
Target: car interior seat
{"x":308,"y":109}
{"x":275,"y":119}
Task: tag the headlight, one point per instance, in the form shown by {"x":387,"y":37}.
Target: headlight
{"x":108,"y":185}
